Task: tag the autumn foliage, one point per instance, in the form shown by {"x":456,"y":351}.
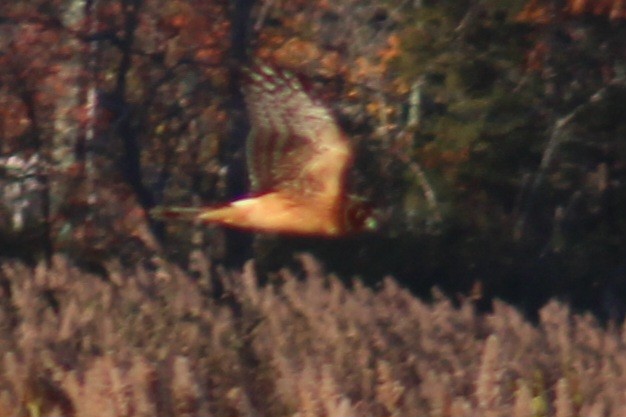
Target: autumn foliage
{"x":488,"y":133}
{"x":541,"y":11}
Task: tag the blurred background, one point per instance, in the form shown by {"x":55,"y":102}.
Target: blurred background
{"x":490,"y":135}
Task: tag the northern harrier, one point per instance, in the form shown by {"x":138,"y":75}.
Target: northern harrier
{"x":297,"y":160}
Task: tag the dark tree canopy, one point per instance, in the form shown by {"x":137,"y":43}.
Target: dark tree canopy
{"x":489,"y":135}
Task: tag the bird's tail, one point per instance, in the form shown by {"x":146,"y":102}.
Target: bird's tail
{"x":226,"y":214}
{"x":175,"y":213}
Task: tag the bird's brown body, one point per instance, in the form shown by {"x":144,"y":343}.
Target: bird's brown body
{"x":277,"y":213}
{"x":297,"y":159}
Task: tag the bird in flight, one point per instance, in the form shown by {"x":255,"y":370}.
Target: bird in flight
{"x":297,"y":159}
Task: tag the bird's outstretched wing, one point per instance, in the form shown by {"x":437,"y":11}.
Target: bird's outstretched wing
{"x":297,"y":159}
{"x":295,"y":144}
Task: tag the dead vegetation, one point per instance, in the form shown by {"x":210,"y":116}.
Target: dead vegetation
{"x":159,"y":343}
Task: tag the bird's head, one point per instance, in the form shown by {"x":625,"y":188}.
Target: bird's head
{"x":360,"y":215}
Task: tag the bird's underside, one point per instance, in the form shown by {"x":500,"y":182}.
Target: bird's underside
{"x":271,"y":213}
{"x":297,"y":159}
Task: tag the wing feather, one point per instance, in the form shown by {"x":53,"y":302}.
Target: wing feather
{"x":294,"y":144}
